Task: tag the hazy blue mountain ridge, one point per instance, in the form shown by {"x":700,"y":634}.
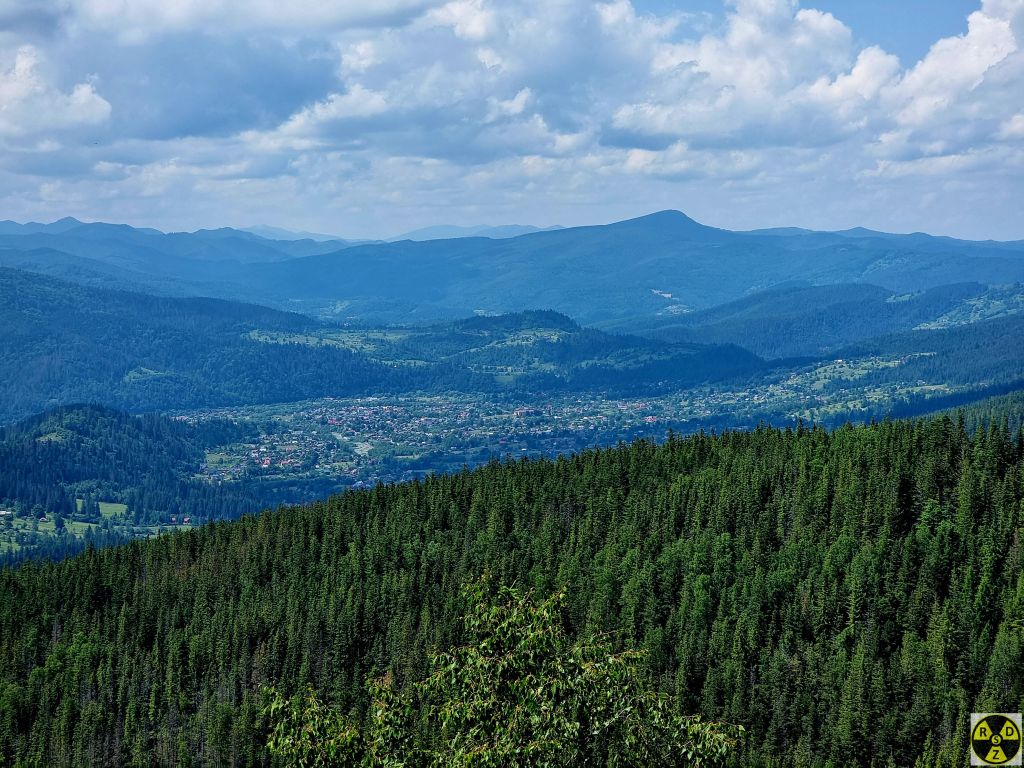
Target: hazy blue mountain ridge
{"x":654,"y":266}
{"x":801,"y":319}
{"x":659,"y":264}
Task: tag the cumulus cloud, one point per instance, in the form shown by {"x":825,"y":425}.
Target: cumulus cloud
{"x":953,"y":66}
{"x":356,"y":103}
{"x":955,"y":108}
{"x":469,"y":19}
{"x":776,"y":75}
{"x":34,"y":109}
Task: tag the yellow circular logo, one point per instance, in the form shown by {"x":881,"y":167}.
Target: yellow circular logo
{"x":995,"y":740}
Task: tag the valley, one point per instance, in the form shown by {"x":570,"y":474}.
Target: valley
{"x":298,"y":452}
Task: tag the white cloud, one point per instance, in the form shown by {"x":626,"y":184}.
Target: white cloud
{"x":775,"y":75}
{"x":31,"y":107}
{"x":1013,"y":128}
{"x":137,"y":20}
{"x":953,"y":66}
{"x":469,"y":19}
{"x":509,"y":107}
{"x":359,"y":57}
{"x":955,"y":107}
{"x":357,"y":102}
{"x":849,"y":91}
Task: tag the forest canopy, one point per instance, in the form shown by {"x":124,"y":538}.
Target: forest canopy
{"x":849,"y":597}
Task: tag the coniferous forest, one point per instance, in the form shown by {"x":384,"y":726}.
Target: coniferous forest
{"x":848,"y":597}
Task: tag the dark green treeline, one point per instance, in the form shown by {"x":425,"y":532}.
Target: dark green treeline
{"x":850,"y":597}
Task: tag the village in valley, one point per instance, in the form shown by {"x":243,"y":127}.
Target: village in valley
{"x":302,"y":451}
{"x":335,"y":443}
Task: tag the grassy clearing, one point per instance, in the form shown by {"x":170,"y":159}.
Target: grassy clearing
{"x":140,"y":374}
{"x":218,"y":459}
{"x":107,"y":508}
{"x":356,"y":341}
{"x":112,"y":509}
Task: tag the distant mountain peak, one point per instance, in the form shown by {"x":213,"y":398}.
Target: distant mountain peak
{"x":664,"y":219}
{"x":516,"y":321}
{"x":861,"y":232}
{"x":669,"y":214}
{"x":671,"y":223}
{"x":64,"y":225}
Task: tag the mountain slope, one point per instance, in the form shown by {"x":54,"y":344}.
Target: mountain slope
{"x":68,"y":343}
{"x":65,"y":343}
{"x":65,"y":462}
{"x":661,"y":263}
{"x":449,"y":231}
{"x":849,"y":597}
{"x":980,"y":354}
{"x":532,"y":353}
{"x":804,"y":320}
{"x":279,"y":233}
{"x":204,"y":262}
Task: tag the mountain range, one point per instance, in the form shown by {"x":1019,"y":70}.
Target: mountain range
{"x":664,"y":265}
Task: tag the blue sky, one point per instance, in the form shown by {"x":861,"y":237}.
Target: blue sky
{"x":906,"y":28}
{"x":367,"y":119}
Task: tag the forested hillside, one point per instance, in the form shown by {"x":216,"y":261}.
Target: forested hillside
{"x":849,"y":597}
{"x":79,"y":450}
{"x":801,"y":320}
{"x":536,"y":351}
{"x":99,"y":475}
{"x":67,"y":343}
{"x":1008,"y":410}
{"x":983,"y":353}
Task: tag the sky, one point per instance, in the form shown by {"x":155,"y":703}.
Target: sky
{"x":370,"y":119}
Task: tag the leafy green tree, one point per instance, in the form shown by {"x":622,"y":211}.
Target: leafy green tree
{"x":518,"y":693}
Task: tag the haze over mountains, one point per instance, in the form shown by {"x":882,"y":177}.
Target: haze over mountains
{"x":657,"y":266}
{"x":279,"y":233}
{"x":696,"y":305}
{"x":450,"y":231}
